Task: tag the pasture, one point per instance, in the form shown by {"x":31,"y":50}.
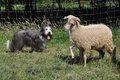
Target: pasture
{"x":57,"y":64}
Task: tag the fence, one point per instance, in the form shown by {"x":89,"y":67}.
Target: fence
{"x":89,"y":11}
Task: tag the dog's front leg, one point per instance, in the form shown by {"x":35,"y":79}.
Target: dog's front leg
{"x":44,"y":49}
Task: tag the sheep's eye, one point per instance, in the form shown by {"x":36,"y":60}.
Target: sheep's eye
{"x":71,"y":24}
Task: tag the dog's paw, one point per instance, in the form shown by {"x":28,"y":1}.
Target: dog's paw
{"x":46,"y":51}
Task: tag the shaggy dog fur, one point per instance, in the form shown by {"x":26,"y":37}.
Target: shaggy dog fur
{"x":36,"y":39}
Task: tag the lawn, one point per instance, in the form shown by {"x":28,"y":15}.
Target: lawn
{"x":57,"y":64}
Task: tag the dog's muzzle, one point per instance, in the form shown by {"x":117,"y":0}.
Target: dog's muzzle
{"x":49,"y":36}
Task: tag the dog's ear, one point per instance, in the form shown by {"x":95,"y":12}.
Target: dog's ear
{"x":41,"y":31}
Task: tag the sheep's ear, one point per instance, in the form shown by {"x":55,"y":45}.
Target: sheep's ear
{"x":73,"y":21}
{"x":77,"y":19}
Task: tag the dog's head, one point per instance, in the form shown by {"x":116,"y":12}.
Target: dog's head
{"x":46,"y":32}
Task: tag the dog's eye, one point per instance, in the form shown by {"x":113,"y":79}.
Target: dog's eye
{"x":46,"y":29}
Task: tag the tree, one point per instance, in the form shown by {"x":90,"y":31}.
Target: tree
{"x":9,"y":4}
{"x":98,"y":3}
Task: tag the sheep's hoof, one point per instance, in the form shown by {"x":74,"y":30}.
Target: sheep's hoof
{"x":19,"y":51}
{"x":84,"y":66}
{"x":100,"y":60}
{"x":73,"y":57}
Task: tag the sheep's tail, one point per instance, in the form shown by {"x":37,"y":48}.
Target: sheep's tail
{"x":114,"y":55}
{"x":9,"y":44}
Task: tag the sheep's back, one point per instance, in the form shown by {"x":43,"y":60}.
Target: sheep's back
{"x":92,"y":37}
{"x":98,"y":26}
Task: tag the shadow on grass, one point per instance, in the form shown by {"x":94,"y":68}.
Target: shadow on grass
{"x":23,"y":51}
{"x":76,"y":60}
{"x":118,"y":65}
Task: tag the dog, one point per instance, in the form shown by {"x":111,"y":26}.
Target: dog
{"x":36,"y":39}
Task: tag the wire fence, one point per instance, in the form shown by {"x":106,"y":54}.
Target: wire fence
{"x":89,"y":11}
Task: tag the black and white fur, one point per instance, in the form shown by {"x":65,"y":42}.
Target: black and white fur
{"x":36,"y":39}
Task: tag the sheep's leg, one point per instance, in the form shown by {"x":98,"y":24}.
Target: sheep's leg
{"x":81,"y":56}
{"x":72,"y":50}
{"x":113,"y":54}
{"x":101,"y":54}
{"x":85,"y":55}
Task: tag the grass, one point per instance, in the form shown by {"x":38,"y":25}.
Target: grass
{"x":57,"y":64}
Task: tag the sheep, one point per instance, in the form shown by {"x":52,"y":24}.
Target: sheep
{"x":92,"y":38}
{"x":89,"y":26}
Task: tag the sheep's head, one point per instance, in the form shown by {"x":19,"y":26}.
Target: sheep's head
{"x":70,"y":17}
{"x":72,"y":20}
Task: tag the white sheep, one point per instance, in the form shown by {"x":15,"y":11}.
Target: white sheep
{"x":92,"y":38}
{"x":89,"y":26}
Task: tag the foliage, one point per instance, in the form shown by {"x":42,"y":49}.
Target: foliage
{"x":46,"y":4}
{"x":3,"y":8}
{"x":53,"y":4}
{"x":11,"y":1}
{"x":18,"y":7}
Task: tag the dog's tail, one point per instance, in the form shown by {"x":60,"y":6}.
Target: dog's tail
{"x":9,"y":44}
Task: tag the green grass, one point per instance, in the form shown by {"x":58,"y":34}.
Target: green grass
{"x":57,"y":64}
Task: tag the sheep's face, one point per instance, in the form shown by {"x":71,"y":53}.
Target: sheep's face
{"x":66,"y":27}
{"x":69,"y":24}
{"x":72,"y":21}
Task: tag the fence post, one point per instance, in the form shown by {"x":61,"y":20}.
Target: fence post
{"x":79,"y":4}
{"x":28,"y":5}
{"x":10,"y":5}
{"x":35,"y":6}
{"x":119,"y":4}
{"x":59,"y":4}
{"x":0,"y":5}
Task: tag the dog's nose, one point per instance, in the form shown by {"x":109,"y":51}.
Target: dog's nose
{"x":48,"y":33}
